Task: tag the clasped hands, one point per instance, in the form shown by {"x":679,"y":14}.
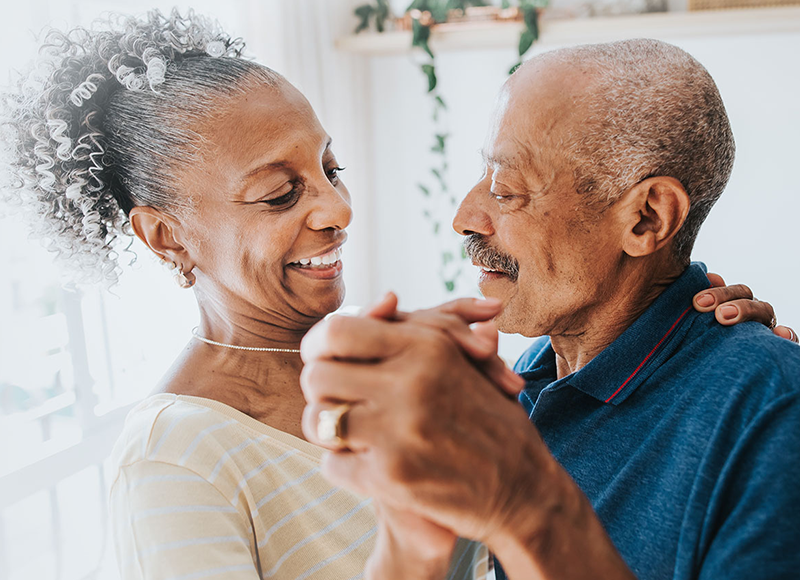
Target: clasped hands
{"x":434,"y":434}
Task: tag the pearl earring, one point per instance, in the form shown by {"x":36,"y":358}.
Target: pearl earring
{"x":185,"y":279}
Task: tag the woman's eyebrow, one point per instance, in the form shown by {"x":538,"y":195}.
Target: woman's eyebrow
{"x":265,"y":167}
{"x":273,"y":165}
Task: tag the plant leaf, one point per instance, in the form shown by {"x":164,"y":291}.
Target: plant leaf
{"x":525,"y":41}
{"x":440,"y":102}
{"x":363,"y":12}
{"x":441,"y":141}
{"x":531,"y":17}
{"x":382,"y":14}
{"x":430,"y":72}
{"x":514,"y":68}
{"x":420,"y":35}
{"x":425,"y":191}
{"x":450,"y":285}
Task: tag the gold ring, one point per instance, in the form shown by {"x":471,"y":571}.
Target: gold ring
{"x":331,"y":425}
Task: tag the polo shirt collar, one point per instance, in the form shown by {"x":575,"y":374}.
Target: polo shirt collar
{"x":614,"y":374}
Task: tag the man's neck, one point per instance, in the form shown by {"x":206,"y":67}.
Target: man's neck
{"x":635,"y":290}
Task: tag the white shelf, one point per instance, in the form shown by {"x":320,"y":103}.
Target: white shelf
{"x":559,"y":32}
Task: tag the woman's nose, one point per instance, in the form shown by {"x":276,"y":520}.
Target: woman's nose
{"x":332,"y":210}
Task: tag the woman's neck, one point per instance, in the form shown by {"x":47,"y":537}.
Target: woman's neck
{"x":263,"y":385}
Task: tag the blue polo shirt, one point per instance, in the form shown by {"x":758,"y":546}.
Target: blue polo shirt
{"x":685,"y":436}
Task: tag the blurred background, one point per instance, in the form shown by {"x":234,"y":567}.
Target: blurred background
{"x":74,"y":360}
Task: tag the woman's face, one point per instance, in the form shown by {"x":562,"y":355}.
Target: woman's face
{"x":268,"y":210}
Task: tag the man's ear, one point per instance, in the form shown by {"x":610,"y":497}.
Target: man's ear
{"x":158,"y":231}
{"x":654,"y":210}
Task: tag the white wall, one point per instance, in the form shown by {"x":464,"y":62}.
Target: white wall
{"x":749,"y":237}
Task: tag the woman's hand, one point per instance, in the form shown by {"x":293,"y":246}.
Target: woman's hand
{"x":408,"y":546}
{"x":735,"y":304}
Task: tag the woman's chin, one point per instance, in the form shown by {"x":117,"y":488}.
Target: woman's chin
{"x":322,"y":301}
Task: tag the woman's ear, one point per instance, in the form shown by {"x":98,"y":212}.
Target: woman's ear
{"x":654,"y":211}
{"x":157,"y":230}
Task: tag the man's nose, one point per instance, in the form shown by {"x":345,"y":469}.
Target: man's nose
{"x":471,"y":217}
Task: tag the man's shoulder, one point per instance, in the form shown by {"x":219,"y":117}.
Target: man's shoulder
{"x":746,"y":354}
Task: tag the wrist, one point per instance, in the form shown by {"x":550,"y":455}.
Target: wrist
{"x":556,"y":534}
{"x":395,"y":559}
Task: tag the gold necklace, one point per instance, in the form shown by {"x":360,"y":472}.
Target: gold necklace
{"x":234,"y":346}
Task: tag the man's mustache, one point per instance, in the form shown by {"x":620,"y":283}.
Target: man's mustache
{"x":483,"y":254}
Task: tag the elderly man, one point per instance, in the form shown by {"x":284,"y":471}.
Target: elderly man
{"x":651,"y":441}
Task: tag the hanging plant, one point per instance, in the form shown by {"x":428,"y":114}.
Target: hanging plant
{"x":530,"y":16}
{"x":424,"y":15}
{"x":380,"y":12}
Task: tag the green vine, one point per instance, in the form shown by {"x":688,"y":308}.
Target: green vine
{"x":380,"y":13}
{"x":424,"y":15}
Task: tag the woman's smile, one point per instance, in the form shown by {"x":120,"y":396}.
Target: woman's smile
{"x":324,"y":266}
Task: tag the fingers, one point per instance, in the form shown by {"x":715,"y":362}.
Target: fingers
{"x":354,"y":424}
{"x":710,"y":299}
{"x":737,"y":311}
{"x":787,"y":333}
{"x":488,"y":331}
{"x":349,"y":470}
{"x":329,"y":381}
{"x":474,"y":345}
{"x":352,"y":337}
{"x":479,"y":344}
{"x":512,"y":383}
{"x":715,"y":279}
{"x":471,"y":309}
{"x":385,"y":308}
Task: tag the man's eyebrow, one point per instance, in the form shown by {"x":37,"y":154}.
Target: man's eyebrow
{"x":510,"y":162}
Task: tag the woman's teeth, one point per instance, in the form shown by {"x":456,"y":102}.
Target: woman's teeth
{"x":320,"y":261}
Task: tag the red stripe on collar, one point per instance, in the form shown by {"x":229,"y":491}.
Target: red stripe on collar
{"x":651,"y":353}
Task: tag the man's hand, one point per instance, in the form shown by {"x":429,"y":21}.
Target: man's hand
{"x":735,"y":304}
{"x":428,"y":433}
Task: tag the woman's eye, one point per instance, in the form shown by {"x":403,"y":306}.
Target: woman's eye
{"x":333,"y":174}
{"x":286,"y":199}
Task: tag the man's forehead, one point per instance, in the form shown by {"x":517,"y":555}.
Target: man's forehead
{"x":529,"y":160}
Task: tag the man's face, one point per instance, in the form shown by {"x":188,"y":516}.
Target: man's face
{"x":543,"y":251}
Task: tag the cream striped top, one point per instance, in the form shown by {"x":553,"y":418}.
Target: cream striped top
{"x":202,"y":490}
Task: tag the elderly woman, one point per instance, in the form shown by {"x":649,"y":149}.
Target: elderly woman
{"x":220,"y":166}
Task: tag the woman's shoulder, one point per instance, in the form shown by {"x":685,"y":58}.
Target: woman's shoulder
{"x":197,"y":433}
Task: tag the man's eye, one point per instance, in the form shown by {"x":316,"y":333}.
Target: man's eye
{"x":502,"y":196}
{"x":333,"y":174}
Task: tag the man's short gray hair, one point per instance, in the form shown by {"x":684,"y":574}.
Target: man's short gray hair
{"x":653,"y":111}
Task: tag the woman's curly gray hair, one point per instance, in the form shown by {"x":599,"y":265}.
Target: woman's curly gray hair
{"x":103,"y":121}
